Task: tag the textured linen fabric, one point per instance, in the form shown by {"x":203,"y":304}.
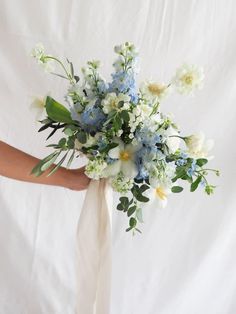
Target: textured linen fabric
{"x":184,"y":262}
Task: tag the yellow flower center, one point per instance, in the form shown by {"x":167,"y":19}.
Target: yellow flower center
{"x":114,"y":103}
{"x":156,"y":89}
{"x":161,"y":193}
{"x":187,"y":79}
{"x":125,"y":156}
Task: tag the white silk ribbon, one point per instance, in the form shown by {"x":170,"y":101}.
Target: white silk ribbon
{"x":94,"y":250}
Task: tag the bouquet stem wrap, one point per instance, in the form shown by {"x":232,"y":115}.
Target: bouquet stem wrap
{"x":94,"y":250}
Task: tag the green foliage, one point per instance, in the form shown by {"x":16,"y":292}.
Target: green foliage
{"x":137,"y":192}
{"x":201,"y":162}
{"x":57,"y":112}
{"x":176,"y":189}
{"x":82,"y":137}
{"x":195,"y":184}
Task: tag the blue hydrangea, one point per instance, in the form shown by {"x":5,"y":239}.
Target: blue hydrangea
{"x":148,"y":138}
{"x":143,"y":156}
{"x":92,"y":119}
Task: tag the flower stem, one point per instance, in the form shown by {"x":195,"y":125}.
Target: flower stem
{"x":62,"y":65}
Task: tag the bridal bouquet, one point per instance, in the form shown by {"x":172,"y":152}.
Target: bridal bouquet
{"x":122,"y":131}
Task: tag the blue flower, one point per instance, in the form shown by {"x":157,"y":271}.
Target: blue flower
{"x":124,"y":82}
{"x":92,"y":119}
{"x":143,"y":156}
{"x":181,"y":162}
{"x":148,"y":138}
{"x":192,"y":169}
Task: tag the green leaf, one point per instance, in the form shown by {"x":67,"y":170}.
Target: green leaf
{"x":131,"y":210}
{"x":62,"y":142}
{"x":37,"y":171}
{"x":57,"y":112}
{"x":70,"y":159}
{"x":201,"y":162}
{"x":58,"y":165}
{"x":68,"y":131}
{"x":71,"y":142}
{"x":117,"y":122}
{"x":82,"y":137}
{"x":128,"y":229}
{"x":176,"y":189}
{"x":195,"y":184}
{"x":142,"y":198}
{"x":132,"y":222}
{"x":143,"y":188}
{"x":125,"y":115}
{"x":47,"y":164}
{"x":124,"y":203}
{"x":137,"y":192}
{"x":139,"y":214}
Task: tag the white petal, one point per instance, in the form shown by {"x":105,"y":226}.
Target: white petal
{"x":112,"y":169}
{"x":114,"y":152}
{"x":129,"y":168}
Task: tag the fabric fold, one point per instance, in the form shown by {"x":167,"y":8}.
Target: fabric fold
{"x":94,"y":250}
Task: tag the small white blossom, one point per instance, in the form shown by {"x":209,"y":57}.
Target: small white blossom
{"x":38,"y":52}
{"x":188,"y":78}
{"x":38,"y":106}
{"x":198,"y":146}
{"x":172,"y":141}
{"x":94,"y":169}
{"x":111,"y":102}
{"x":122,"y":184}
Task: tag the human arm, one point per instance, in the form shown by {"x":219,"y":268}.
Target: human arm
{"x":17,"y":165}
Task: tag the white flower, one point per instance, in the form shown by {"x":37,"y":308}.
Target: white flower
{"x":188,"y":78}
{"x":38,"y":106}
{"x":38,"y":53}
{"x":111,"y":102}
{"x":197,"y":146}
{"x":154,"y":91}
{"x":140,"y":114}
{"x":94,"y":169}
{"x":125,"y":160}
{"x":173,"y":142}
{"x":159,"y":194}
{"x":122,"y":184}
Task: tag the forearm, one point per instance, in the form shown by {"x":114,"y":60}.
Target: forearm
{"x":17,"y":165}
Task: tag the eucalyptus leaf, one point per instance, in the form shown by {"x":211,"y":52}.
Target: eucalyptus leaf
{"x":176,"y":189}
{"x":195,"y":184}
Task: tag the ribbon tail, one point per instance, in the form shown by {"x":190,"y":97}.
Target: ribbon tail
{"x":94,"y":250}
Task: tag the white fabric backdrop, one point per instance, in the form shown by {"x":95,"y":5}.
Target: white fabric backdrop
{"x":184,"y":262}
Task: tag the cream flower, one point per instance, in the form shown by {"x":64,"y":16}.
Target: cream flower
{"x":188,"y":78}
{"x":111,"y":102}
{"x":154,"y":91}
{"x":38,"y":52}
{"x":38,"y":106}
{"x":159,"y":194}
{"x":94,"y":169}
{"x":124,"y":156}
{"x":173,"y":142}
{"x":198,"y":147}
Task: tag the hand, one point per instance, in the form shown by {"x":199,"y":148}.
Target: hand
{"x":75,"y":179}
